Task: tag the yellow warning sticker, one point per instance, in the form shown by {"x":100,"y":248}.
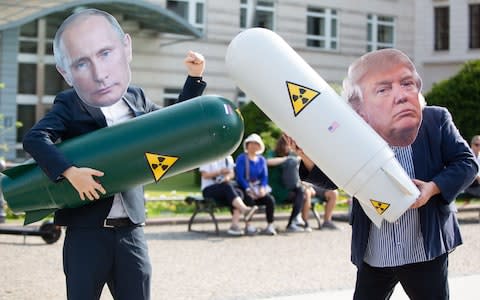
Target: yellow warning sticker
{"x":300,"y":96}
{"x":380,"y":207}
{"x":159,"y":164}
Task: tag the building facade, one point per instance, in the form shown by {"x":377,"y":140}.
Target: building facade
{"x":447,"y":34}
{"x":328,"y":34}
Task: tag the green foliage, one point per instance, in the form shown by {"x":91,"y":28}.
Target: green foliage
{"x":461,"y":95}
{"x":10,"y":215}
{"x":257,"y":122}
{"x":170,"y":207}
{"x":254,"y":118}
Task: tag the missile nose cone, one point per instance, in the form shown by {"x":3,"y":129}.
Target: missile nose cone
{"x":231,"y":126}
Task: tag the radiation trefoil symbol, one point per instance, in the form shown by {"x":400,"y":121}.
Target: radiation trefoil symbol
{"x":159,"y":164}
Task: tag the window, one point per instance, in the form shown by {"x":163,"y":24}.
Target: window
{"x":191,"y":10}
{"x":474,"y":34}
{"x":27,"y":78}
{"x":29,"y":37}
{"x":380,"y":32}
{"x":32,"y":35}
{"x":170,"y":96}
{"x":322,"y":28}
{"x":262,"y":15}
{"x":53,"y":81}
{"x":442,"y":27}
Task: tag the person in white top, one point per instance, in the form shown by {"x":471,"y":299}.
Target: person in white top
{"x":217,"y":183}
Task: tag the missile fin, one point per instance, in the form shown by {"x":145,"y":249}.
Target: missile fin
{"x":36,"y":215}
{"x":371,"y":213}
{"x":19,"y":170}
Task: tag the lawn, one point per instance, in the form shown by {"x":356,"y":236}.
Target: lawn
{"x":166,"y":197}
{"x":174,"y":189}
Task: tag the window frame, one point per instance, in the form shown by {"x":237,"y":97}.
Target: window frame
{"x":245,"y":11}
{"x":192,"y":11}
{"x":373,"y":25}
{"x":330,"y":16}
{"x":474,"y":23}
{"x":441,"y":36}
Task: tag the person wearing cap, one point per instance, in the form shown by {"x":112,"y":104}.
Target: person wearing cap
{"x":252,"y":177}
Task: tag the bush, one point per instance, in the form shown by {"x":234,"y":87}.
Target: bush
{"x":461,"y":95}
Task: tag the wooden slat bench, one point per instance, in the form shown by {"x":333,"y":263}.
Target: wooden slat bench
{"x":209,"y":206}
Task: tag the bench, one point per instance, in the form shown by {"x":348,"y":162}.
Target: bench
{"x":468,"y":207}
{"x":279,"y":192}
{"x":209,"y":206}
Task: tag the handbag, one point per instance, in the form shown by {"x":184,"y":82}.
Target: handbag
{"x":254,"y":186}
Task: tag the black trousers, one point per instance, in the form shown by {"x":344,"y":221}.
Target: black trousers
{"x":118,"y":257}
{"x":269,"y":203}
{"x":224,"y":192}
{"x":421,"y":281}
{"x":297,"y":197}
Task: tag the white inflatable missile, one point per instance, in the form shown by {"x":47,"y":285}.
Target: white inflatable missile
{"x":334,"y":136}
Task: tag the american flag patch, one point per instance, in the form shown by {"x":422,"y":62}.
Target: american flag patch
{"x":228,"y":109}
{"x":333,"y":126}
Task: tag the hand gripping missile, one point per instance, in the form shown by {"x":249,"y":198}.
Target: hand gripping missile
{"x":142,"y":150}
{"x":303,"y":105}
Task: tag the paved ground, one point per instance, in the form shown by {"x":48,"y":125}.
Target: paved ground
{"x":191,"y":265}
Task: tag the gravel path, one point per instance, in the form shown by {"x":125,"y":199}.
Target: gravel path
{"x":191,"y":265}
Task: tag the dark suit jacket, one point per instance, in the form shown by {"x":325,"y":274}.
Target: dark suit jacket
{"x":71,"y":117}
{"x":440,"y":155}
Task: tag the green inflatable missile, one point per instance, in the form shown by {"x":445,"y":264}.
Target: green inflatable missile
{"x":142,"y":150}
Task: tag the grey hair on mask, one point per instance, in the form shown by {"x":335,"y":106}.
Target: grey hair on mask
{"x":375,"y":61}
{"x":58,"y":49}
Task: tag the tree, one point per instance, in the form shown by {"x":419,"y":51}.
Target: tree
{"x":257,"y":122}
{"x":461,"y":95}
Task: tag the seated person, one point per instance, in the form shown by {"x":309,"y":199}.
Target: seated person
{"x":285,"y":181}
{"x":252,"y":178}
{"x":217,"y":183}
{"x":289,"y":189}
{"x":330,"y":197}
{"x":473,"y":191}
